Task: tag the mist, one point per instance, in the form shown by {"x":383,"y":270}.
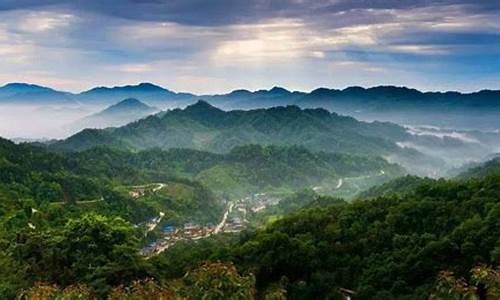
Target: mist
{"x":35,"y":122}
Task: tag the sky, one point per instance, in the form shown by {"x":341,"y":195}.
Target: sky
{"x":216,"y":46}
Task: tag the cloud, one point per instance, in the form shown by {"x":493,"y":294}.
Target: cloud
{"x":227,"y":12}
{"x":222,"y":43}
{"x":36,"y":22}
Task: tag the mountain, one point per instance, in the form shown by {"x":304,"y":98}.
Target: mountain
{"x":23,"y":93}
{"x":118,"y":114}
{"x":204,"y":127}
{"x":147,"y":92}
{"x":93,"y":181}
{"x":16,"y":93}
{"x":244,"y":99}
{"x":402,"y":105}
{"x":390,"y":247}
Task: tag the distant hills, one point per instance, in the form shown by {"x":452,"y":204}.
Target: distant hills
{"x":144,"y":91}
{"x":202,"y":126}
{"x":23,"y":93}
{"x":205,"y":127}
{"x":118,"y":114}
{"x":402,"y":105}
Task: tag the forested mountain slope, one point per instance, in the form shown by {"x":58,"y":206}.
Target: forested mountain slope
{"x":204,"y":127}
{"x":388,"y":247}
{"x":62,"y":185}
{"x":391,"y":246}
{"x":245,"y":169}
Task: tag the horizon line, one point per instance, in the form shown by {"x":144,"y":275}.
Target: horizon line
{"x":252,"y":90}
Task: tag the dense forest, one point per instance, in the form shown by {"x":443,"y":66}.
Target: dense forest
{"x":388,"y":247}
{"x":245,"y":169}
{"x":249,"y":149}
{"x":69,"y":229}
{"x":204,"y":127}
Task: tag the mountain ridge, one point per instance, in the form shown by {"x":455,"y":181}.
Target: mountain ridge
{"x":118,"y":114}
{"x":202,"y":126}
{"x":398,"y":104}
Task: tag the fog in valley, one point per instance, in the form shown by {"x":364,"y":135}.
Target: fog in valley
{"x":445,"y":148}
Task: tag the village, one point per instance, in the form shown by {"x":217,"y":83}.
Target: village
{"x":234,"y":220}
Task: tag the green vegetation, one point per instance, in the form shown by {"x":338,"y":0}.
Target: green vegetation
{"x":67,"y":226}
{"x":485,"y":169}
{"x":245,"y":169}
{"x":204,"y":127}
{"x":390,"y":247}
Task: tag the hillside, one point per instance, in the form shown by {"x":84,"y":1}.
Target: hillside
{"x":119,"y":114}
{"x":205,"y":127}
{"x":244,"y":170}
{"x":389,"y":247}
{"x":34,"y":177}
{"x":482,"y":170}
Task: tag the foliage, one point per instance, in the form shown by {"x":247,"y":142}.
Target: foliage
{"x":95,"y":250}
{"x":218,"y":280}
{"x":391,"y":245}
{"x":484,"y":283}
{"x":204,"y":127}
{"x":142,"y":289}
{"x":42,"y":291}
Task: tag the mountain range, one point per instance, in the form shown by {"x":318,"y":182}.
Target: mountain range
{"x":202,"y":126}
{"x":402,"y":105}
{"x":24,"y":93}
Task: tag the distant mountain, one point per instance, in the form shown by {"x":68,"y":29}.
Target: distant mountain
{"x":202,"y":126}
{"x":23,"y":93}
{"x":147,"y":92}
{"x":244,"y":99}
{"x":402,"y":105}
{"x":119,"y":114}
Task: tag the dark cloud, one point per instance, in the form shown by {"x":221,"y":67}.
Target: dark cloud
{"x":303,"y":43}
{"x":225,"y":12}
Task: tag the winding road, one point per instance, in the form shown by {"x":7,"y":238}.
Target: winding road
{"x":219,"y":226}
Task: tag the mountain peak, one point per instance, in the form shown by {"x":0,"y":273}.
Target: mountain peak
{"x":149,"y":86}
{"x":141,"y":87}
{"x":279,"y":90}
{"x":130,"y":102}
{"x":240,"y":92}
{"x":201,"y":105}
{"x":127,"y":105}
{"x":202,"y":108}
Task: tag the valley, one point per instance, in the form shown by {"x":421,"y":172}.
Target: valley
{"x":249,"y":150}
